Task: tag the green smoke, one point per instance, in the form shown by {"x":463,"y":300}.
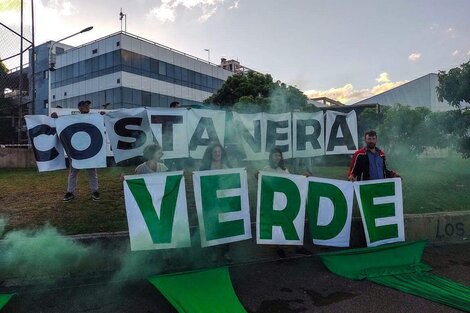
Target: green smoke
{"x":29,"y":253}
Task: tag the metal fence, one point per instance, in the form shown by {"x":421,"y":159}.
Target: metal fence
{"x":16,"y":37}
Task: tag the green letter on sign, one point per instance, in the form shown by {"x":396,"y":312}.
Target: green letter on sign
{"x":156,"y":210}
{"x":281,"y":209}
{"x":222,"y":205}
{"x":160,"y":227}
{"x":329,"y":209}
{"x":381,"y":206}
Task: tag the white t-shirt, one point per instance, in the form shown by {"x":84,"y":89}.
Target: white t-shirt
{"x":145,"y":169}
{"x":268,"y":168}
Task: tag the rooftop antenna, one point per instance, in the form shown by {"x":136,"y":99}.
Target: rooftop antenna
{"x":121,"y":16}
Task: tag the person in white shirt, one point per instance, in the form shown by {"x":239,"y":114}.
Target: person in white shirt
{"x":276,"y":162}
{"x":153,"y":164}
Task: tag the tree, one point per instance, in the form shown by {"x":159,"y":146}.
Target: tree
{"x":245,"y":91}
{"x":3,"y":77}
{"x":454,"y":86}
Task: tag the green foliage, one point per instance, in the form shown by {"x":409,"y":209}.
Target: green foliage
{"x":3,"y":73}
{"x":369,"y":119}
{"x":405,"y":131}
{"x":254,"y":91}
{"x":454,"y":86}
{"x":3,"y":69}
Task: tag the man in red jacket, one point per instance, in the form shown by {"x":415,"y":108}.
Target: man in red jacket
{"x":369,"y":162}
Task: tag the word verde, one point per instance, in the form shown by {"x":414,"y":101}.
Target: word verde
{"x":158,"y":217}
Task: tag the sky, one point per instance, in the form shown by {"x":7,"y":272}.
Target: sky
{"x":345,"y":50}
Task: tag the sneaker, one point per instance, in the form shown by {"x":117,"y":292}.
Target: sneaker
{"x":68,"y":197}
{"x":95,"y":196}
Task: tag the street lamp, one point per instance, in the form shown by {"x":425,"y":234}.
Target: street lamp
{"x":52,"y":57}
{"x":208,"y":54}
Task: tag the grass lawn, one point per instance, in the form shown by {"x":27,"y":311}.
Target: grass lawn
{"x":30,"y":199}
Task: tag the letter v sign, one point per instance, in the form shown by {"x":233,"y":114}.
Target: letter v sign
{"x":157,"y":211}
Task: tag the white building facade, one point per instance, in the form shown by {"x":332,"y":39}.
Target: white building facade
{"x":420,"y":92}
{"x":125,"y":71}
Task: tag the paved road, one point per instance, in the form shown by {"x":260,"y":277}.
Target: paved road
{"x":293,"y":285}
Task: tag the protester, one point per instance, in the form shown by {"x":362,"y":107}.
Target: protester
{"x":215,"y":158}
{"x":369,"y":162}
{"x":84,"y":108}
{"x":276,"y":164}
{"x":153,"y":163}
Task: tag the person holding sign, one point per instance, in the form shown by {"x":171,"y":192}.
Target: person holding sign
{"x":84,"y":108}
{"x":215,"y":158}
{"x":369,"y":162}
{"x":276,"y":162}
{"x":153,"y":163}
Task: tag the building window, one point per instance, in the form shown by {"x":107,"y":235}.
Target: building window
{"x":161,"y":68}
{"x":45,"y":103}
{"x":45,"y":74}
{"x":95,"y":51}
{"x":118,"y":80}
{"x":118,"y":44}
{"x":65,"y":94}
{"x":53,"y":96}
{"x":59,"y":50}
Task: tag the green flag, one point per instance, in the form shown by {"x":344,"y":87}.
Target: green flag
{"x":398,"y":266}
{"x":205,"y":291}
{"x":4,"y":298}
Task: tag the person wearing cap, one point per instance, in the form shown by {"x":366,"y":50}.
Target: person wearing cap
{"x":84,"y":108}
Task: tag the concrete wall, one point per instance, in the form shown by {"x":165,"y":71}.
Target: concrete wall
{"x":16,"y":157}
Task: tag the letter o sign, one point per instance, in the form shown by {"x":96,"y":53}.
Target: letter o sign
{"x":93,"y":148}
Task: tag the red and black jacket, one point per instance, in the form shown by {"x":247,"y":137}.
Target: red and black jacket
{"x":360,"y":165}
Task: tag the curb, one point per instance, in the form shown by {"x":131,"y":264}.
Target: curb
{"x":436,"y":228}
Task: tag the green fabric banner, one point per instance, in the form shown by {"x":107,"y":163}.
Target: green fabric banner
{"x":398,"y":266}
{"x":205,"y":291}
{"x":429,"y":286}
{"x":4,"y":298}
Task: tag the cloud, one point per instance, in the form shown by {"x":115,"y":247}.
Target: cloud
{"x":468,"y":53}
{"x":348,"y":94}
{"x":383,"y":78}
{"x":167,"y":10}
{"x":414,"y":56}
{"x":455,"y":53}
{"x":163,"y":13}
{"x":234,"y":5}
{"x":65,"y":8}
{"x":207,"y":15}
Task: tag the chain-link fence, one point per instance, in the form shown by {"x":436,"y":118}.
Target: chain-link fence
{"x":16,"y":40}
